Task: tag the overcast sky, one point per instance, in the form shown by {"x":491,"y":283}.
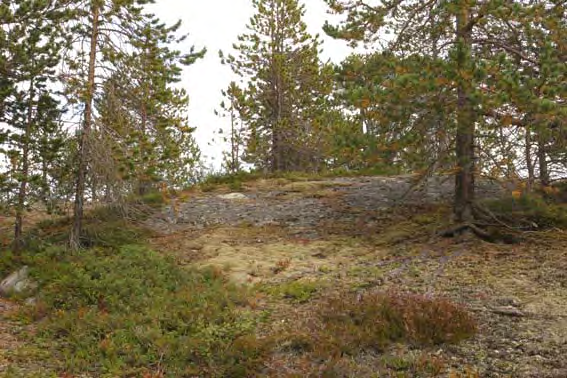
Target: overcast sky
{"x":215,"y":24}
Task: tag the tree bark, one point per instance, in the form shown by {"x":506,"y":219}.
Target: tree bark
{"x":18,"y":226}
{"x":529,"y":160}
{"x":77,"y":228}
{"x":277,"y":129}
{"x":464,"y":182}
{"x":542,"y":159}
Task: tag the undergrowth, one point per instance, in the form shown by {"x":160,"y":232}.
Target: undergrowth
{"x":235,"y":181}
{"x":530,"y":212}
{"x":129,"y":312}
{"x":349,"y":324}
{"x":118,"y":309}
{"x":105,"y":226}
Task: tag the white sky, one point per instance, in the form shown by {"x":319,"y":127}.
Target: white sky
{"x":215,"y":24}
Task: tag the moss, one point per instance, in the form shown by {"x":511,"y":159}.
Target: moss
{"x":296,"y":291}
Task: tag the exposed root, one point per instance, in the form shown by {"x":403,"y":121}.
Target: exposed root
{"x":467,"y":227}
{"x":484,"y":213}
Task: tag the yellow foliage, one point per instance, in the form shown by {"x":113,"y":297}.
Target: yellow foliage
{"x":517,"y":194}
{"x":364,"y":103}
{"x":550,"y":190}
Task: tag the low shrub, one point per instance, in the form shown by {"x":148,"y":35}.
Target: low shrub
{"x":154,"y":199}
{"x":347,"y":324}
{"x":105,"y":226}
{"x":130,"y":312}
{"x":530,"y":211}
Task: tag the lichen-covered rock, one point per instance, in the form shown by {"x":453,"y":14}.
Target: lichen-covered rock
{"x":233,"y":196}
{"x":17,"y":283}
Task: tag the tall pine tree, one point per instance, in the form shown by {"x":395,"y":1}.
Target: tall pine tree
{"x":286,"y":87}
{"x":33,"y":45}
{"x":122,"y":40}
{"x":469,"y":36}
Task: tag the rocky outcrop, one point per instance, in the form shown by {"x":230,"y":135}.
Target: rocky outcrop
{"x":18,"y":282}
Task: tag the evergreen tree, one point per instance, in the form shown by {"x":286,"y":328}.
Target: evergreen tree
{"x":470,"y":37}
{"x":112,"y":29}
{"x":286,"y":87}
{"x":34,"y":42}
{"x":146,"y":114}
{"x":391,"y":127}
{"x":233,"y":108}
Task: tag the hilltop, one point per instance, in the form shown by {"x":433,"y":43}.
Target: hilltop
{"x":294,"y":277}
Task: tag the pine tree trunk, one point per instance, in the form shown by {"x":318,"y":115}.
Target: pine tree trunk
{"x":543,"y":163}
{"x":234,"y":164}
{"x":45,"y":189}
{"x":464,"y":183}
{"x":75,"y":240}
{"x":143,"y":182}
{"x":529,"y":161}
{"x":18,"y":227}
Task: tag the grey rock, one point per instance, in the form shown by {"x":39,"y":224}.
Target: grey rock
{"x":233,"y":196}
{"x":32,"y":301}
{"x":509,"y":301}
{"x":17,"y":283}
{"x":508,"y":311}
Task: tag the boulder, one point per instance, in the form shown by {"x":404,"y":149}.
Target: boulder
{"x":17,"y":283}
{"x":233,"y":196}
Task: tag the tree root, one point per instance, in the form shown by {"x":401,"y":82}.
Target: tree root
{"x":461,"y":229}
{"x":493,"y":236}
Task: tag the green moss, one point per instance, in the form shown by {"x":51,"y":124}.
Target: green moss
{"x":296,"y":291}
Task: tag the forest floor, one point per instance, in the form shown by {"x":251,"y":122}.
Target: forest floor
{"x":351,"y":234}
{"x":298,"y":243}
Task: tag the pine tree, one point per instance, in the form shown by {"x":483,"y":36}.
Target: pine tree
{"x":146,"y":114}
{"x":34,"y":43}
{"x":102,"y":23}
{"x":234,"y":108}
{"x":285,"y":88}
{"x":470,"y":37}
{"x":398,"y":119}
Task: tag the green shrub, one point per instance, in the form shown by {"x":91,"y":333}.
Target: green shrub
{"x":125,"y":312}
{"x":154,"y":199}
{"x":530,"y":211}
{"x":235,"y":185}
{"x":217,"y":179}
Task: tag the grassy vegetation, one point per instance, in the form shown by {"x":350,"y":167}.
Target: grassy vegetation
{"x":119,"y":309}
{"x":531,"y":211}
{"x":129,"y":311}
{"x":235,"y":181}
{"x":296,"y":291}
